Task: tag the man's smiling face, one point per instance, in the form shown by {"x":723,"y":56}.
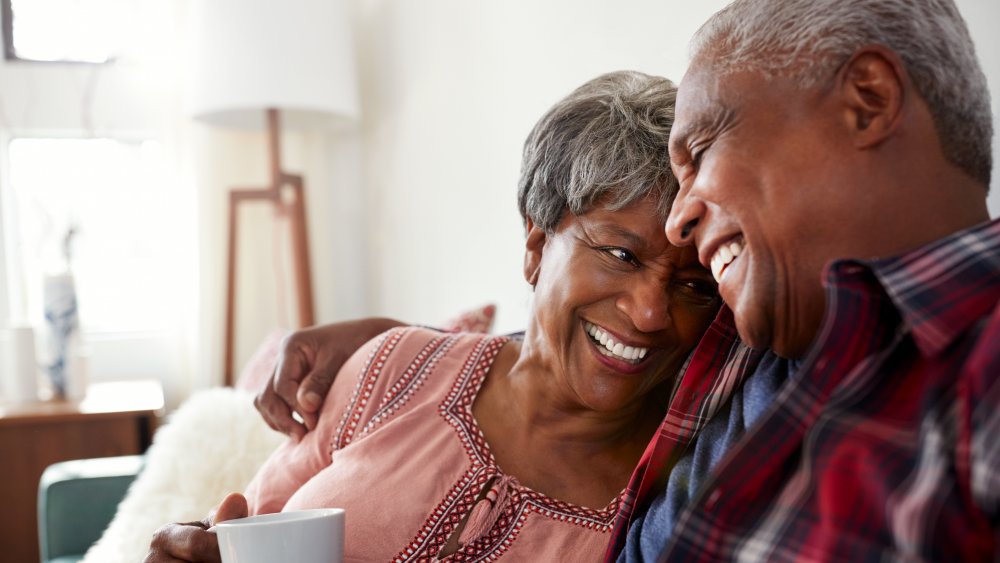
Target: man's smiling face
{"x":758,"y":175}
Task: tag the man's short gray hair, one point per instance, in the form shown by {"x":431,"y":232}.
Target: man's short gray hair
{"x":808,"y":40}
{"x":605,"y":143}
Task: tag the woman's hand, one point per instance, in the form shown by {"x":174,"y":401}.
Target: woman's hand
{"x":192,"y":542}
{"x":307,"y":365}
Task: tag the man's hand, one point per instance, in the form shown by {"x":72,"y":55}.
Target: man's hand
{"x":192,"y":542}
{"x":307,"y":364}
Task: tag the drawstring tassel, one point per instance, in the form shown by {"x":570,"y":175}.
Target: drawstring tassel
{"x":487,"y":510}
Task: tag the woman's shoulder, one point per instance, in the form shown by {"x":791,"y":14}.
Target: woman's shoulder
{"x":399,"y":369}
{"x":412,"y":346}
{"x":403,"y":353}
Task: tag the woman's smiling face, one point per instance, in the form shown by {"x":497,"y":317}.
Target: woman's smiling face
{"x":617,"y":308}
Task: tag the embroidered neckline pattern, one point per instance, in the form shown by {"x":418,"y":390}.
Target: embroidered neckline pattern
{"x":403,"y":389}
{"x":363,"y":390}
{"x":442,"y":522}
{"x":398,"y":394}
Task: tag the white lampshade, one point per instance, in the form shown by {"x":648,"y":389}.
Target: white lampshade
{"x":293,"y":55}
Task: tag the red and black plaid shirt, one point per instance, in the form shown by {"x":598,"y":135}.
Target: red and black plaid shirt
{"x":885,"y":444}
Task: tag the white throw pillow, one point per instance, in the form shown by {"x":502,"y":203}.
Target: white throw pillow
{"x":211,"y":446}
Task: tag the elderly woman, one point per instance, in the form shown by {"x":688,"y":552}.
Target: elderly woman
{"x":464,"y":446}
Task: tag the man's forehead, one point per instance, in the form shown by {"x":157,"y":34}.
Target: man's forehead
{"x":700,"y":103}
{"x":709,"y":100}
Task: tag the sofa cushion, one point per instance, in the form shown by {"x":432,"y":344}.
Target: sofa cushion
{"x":211,"y":446}
{"x":66,"y":531}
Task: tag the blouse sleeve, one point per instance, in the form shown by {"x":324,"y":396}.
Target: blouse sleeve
{"x":292,"y":464}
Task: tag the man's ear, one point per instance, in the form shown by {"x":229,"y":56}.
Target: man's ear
{"x":533,"y":246}
{"x":873,"y":83}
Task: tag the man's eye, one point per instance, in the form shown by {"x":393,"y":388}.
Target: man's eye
{"x":621,"y":254}
{"x":696,"y":154}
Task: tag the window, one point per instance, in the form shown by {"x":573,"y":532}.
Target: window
{"x":89,"y":31}
{"x":130,"y":247}
{"x":134,"y":255}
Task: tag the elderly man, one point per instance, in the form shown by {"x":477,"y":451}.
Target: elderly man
{"x":833,"y":158}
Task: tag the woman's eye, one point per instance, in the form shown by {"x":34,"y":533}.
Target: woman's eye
{"x":622,"y":255}
{"x":699,"y":289}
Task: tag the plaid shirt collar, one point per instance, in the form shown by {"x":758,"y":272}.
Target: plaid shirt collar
{"x":921,"y":284}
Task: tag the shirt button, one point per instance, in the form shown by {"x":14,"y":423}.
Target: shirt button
{"x":713,"y":498}
{"x":821,"y":364}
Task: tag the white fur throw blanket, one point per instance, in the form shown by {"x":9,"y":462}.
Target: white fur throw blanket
{"x":212,"y":445}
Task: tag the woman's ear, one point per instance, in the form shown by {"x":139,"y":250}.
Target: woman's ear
{"x":533,"y":246}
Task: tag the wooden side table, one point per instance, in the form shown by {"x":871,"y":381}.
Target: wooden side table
{"x":112,"y":419}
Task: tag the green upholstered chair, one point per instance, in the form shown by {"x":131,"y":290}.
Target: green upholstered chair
{"x":76,"y":502}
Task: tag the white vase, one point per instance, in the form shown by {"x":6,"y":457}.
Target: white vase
{"x":62,"y":330}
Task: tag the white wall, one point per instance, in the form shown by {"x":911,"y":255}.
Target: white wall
{"x":452,"y":87}
{"x":983,"y":16}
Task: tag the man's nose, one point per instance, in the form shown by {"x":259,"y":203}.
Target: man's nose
{"x":685,"y":214}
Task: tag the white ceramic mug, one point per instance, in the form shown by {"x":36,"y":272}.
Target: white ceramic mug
{"x":300,"y":536}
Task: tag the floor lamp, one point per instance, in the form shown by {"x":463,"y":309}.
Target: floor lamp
{"x":264,"y":63}
{"x":287,"y":194}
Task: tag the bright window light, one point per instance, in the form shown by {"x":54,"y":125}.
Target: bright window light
{"x":128,"y":254}
{"x":70,"y":30}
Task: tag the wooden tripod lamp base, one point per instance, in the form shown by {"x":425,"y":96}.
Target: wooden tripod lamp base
{"x":287,"y":194}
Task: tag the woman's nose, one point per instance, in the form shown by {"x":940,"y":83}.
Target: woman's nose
{"x":647,"y":304}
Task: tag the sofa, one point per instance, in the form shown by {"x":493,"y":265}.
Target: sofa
{"x":65,"y":530}
{"x":105,"y":510}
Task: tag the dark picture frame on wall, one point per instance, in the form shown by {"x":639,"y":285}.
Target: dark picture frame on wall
{"x":6,"y":15}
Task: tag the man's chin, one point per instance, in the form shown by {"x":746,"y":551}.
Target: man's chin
{"x":759,"y":331}
{"x":791,"y":346}
{"x":752,"y":332}
{"x":754,"y":342}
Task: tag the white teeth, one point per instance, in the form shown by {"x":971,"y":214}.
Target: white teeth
{"x":724,"y":256}
{"x":615,"y":349}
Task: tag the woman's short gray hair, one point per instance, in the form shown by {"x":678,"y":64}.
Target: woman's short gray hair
{"x":605,"y":143}
{"x":807,"y":40}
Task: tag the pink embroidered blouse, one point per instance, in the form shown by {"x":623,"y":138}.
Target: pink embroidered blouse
{"x":398,"y":448}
